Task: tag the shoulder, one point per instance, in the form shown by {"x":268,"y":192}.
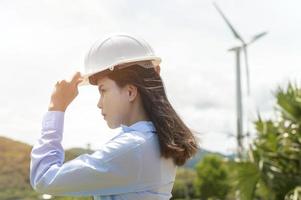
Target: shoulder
{"x":127,"y":139}
{"x":124,"y":143}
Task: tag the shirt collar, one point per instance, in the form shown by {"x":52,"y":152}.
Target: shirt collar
{"x":142,"y":126}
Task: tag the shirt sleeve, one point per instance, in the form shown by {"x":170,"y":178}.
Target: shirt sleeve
{"x":113,"y":169}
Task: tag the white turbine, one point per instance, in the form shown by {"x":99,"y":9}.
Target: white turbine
{"x":237,"y":49}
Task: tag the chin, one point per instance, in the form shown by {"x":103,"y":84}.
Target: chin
{"x":112,"y":126}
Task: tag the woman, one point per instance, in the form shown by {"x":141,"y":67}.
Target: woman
{"x":141,"y":161}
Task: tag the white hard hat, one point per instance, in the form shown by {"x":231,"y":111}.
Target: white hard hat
{"x":116,"y":50}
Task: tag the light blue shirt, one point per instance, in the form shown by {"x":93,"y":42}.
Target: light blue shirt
{"x":128,"y":166}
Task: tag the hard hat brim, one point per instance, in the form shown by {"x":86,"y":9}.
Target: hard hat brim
{"x":154,"y":59}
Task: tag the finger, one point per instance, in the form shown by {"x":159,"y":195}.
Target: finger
{"x":76,"y":77}
{"x":79,"y":81}
{"x":60,"y":82}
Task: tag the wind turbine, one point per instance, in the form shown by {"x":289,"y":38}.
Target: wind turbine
{"x":238,"y":49}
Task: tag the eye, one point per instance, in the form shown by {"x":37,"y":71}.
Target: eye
{"x":100,"y":90}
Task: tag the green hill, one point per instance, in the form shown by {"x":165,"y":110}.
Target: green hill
{"x":200,"y":155}
{"x":14,"y":170}
{"x":74,"y":152}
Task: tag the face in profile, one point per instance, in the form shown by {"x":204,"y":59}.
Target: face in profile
{"x":114,"y":102}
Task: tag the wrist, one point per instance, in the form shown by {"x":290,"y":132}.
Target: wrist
{"x":52,"y":107}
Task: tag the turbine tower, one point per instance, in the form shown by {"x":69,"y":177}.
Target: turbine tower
{"x":237,"y":50}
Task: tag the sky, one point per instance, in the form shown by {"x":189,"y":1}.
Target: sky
{"x":43,"y":41}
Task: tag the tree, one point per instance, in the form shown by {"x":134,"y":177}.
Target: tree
{"x":212,"y":178}
{"x":274,"y":164}
{"x":184,"y":184}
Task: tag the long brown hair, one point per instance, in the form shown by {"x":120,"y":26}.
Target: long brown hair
{"x":176,"y":140}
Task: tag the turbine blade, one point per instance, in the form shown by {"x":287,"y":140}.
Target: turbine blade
{"x":247,"y":69}
{"x":256,"y":37}
{"x":234,"y":32}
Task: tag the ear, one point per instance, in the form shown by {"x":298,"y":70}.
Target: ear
{"x":132,"y":92}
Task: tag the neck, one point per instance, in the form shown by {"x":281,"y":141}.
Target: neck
{"x":137,"y":114}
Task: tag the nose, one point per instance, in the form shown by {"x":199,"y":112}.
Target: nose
{"x":99,"y":104}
